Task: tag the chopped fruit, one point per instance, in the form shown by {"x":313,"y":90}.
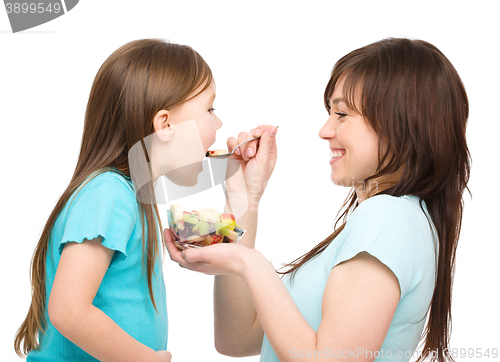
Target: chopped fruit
{"x":233,"y":235}
{"x":176,"y":208}
{"x":174,"y":233}
{"x":215,"y":153}
{"x":194,"y":239}
{"x":201,"y":228}
{"x":223,"y":230}
{"x":207,"y":240}
{"x":193,"y":229}
{"x":182,"y":232}
{"x":209,"y":214}
{"x":229,"y":220}
{"x":176,"y":212}
{"x":190,"y":218}
{"x":216,"y":239}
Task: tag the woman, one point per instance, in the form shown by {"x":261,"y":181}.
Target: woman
{"x":398,"y":113}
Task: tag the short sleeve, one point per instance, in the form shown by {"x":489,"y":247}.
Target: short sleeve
{"x":389,"y":229}
{"x":104,"y":207}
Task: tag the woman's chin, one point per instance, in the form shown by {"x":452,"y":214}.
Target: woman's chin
{"x":336,"y":180}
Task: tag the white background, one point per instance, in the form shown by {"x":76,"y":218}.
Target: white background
{"x":271,"y":62}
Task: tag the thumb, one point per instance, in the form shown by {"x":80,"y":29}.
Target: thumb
{"x":165,"y":356}
{"x":266,"y":141}
{"x":193,"y":255}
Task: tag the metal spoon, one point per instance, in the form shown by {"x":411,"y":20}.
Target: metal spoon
{"x":226,"y":155}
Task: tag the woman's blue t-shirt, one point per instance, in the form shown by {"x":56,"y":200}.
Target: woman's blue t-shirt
{"x":106,"y":207}
{"x":396,"y":231}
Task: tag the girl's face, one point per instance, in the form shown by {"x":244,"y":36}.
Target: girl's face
{"x":201,"y":110}
{"x":187,"y":132}
{"x":353,"y":143}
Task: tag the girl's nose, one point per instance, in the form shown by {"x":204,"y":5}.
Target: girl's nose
{"x":218,"y":122}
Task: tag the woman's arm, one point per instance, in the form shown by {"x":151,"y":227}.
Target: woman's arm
{"x":237,"y":329}
{"x":238,"y":332}
{"x":78,"y":276}
{"x":359,"y":301}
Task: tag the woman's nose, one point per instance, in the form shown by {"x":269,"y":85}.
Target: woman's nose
{"x":328,"y":131}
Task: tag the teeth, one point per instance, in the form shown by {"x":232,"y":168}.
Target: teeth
{"x":335,"y":154}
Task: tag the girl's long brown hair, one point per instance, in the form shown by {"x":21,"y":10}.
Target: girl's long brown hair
{"x":412,"y":96}
{"x":139,"y":79}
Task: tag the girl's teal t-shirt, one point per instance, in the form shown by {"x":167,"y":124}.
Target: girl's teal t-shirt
{"x":397,"y":232}
{"x":106,"y":207}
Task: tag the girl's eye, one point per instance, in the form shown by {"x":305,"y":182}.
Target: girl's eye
{"x":340,"y":114}
{"x":211,"y":110}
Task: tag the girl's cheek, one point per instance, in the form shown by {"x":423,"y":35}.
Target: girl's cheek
{"x":209,"y":136}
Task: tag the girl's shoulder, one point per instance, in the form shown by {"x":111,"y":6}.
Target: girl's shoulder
{"x":108,"y":180}
{"x":105,"y":187}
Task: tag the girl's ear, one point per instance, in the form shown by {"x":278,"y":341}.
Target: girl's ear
{"x":162,"y":126}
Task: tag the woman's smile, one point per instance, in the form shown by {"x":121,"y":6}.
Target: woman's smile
{"x":336,"y":154}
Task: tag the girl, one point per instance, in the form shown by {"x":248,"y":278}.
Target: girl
{"x":97,"y":282}
{"x":396,"y":131}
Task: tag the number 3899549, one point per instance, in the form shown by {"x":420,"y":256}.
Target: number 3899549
{"x":32,"y":8}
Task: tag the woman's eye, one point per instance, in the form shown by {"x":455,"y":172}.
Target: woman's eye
{"x":211,"y":110}
{"x":340,"y":114}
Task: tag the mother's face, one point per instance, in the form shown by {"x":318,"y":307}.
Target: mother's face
{"x":353,"y":143}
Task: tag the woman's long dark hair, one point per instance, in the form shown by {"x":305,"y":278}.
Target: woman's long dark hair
{"x":413,"y":98}
{"x":139,"y":79}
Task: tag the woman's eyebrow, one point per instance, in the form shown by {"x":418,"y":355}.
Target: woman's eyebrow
{"x":337,"y":101}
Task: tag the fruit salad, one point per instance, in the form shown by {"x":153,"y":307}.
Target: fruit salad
{"x":216,"y":153}
{"x":194,"y":229}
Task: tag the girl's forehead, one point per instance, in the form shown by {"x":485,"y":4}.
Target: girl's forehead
{"x":208,"y":95}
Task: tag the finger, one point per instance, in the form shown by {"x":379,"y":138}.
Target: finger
{"x":185,"y":267}
{"x":242,"y":137}
{"x":263,"y":128}
{"x":175,"y":253}
{"x":199,"y":267}
{"x":178,"y":255}
{"x":232,"y":142}
{"x":266,"y":148}
{"x":195,"y":255}
{"x":252,"y":147}
{"x":165,"y":356}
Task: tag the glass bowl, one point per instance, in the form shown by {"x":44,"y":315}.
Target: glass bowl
{"x":192,"y":231}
